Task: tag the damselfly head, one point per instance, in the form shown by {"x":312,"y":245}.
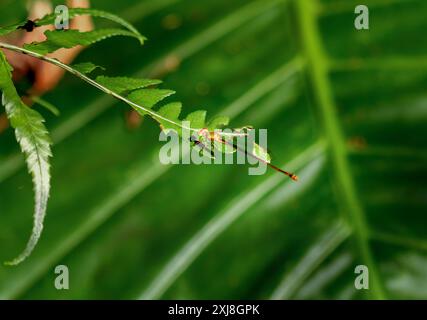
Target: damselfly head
{"x":294,"y":177}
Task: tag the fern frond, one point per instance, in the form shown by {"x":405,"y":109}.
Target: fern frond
{"x":137,"y":93}
{"x":58,"y":39}
{"x":34,"y":141}
{"x":73,"y":12}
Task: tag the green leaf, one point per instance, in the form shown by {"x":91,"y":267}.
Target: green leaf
{"x":170,"y":111}
{"x":148,"y":98}
{"x":73,"y":12}
{"x":57,"y":39}
{"x":197,"y":119}
{"x":34,"y":140}
{"x":121,"y":85}
{"x":86,"y":67}
{"x":218,"y":123}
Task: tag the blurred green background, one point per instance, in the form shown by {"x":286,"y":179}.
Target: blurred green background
{"x":345,"y":109}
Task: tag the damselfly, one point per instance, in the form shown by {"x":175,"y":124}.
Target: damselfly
{"x":216,"y":137}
